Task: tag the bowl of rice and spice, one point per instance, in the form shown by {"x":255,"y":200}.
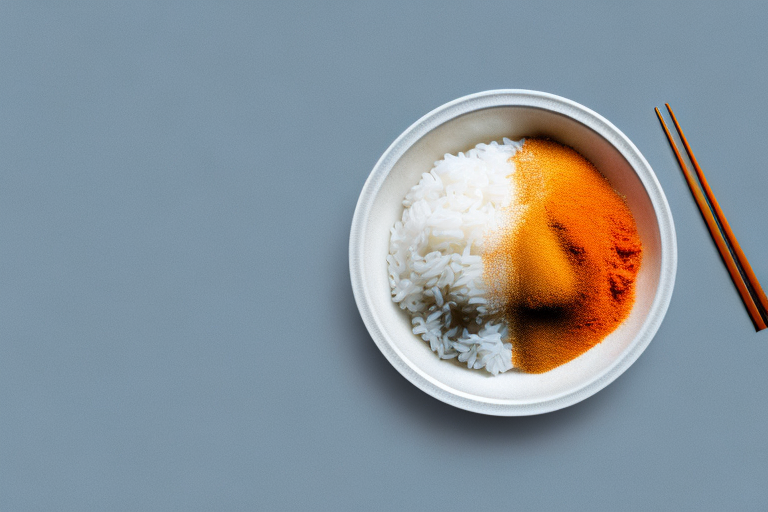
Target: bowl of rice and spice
{"x":512,"y":253}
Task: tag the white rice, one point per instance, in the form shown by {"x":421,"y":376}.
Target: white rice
{"x":435,"y":255}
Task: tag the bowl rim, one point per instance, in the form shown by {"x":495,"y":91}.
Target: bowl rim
{"x":516,"y":98}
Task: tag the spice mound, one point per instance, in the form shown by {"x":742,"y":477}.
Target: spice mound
{"x":571,"y":259}
{"x":514,"y":255}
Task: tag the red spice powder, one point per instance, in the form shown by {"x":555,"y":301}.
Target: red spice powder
{"x":565,"y":271}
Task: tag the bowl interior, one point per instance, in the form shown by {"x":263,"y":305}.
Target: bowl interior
{"x":461,"y":134}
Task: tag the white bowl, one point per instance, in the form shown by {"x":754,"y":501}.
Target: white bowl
{"x":459,"y":126}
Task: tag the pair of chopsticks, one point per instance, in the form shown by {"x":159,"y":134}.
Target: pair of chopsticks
{"x":738,"y":266}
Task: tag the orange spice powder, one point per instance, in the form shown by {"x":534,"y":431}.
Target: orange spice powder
{"x":564,"y":271}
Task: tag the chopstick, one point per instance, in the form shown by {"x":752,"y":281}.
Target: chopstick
{"x":757,"y":290}
{"x":739,"y":268}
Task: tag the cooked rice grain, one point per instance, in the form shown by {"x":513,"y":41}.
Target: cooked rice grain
{"x":435,"y":255}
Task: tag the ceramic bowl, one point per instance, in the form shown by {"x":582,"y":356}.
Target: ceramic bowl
{"x":459,"y":126}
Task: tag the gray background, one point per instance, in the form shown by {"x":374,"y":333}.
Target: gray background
{"x":177,"y":327}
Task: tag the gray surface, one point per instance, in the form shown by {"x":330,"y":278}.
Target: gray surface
{"x":177,"y":329}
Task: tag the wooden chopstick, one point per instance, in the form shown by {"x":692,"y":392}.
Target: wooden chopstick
{"x":757,"y":290}
{"x":720,"y":241}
